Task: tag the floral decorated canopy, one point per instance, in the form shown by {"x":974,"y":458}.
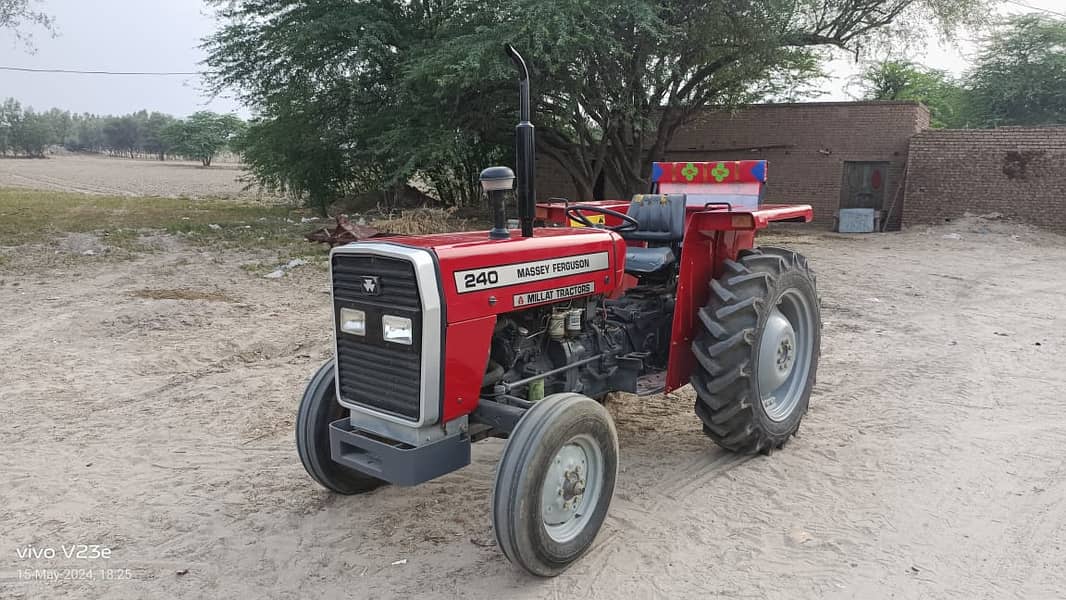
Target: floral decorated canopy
{"x":728,"y":171}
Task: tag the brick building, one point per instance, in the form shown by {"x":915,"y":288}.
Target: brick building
{"x":1014,"y":171}
{"x":826,"y":154}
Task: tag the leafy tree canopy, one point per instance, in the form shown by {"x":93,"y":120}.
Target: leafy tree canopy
{"x":202,"y":135}
{"x":947,"y":99}
{"x":1019,"y":77}
{"x":390,"y":89}
{"x":23,"y":131}
{"x":15,"y":15}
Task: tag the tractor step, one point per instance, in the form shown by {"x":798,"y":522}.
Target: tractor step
{"x":649,"y":385}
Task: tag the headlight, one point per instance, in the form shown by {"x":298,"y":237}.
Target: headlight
{"x":353,"y":321}
{"x":397,"y":329}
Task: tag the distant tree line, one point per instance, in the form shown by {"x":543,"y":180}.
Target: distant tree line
{"x":25,"y":132}
{"x":1018,"y":78}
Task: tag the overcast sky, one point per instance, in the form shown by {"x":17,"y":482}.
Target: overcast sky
{"x":114,"y":35}
{"x":163,"y":35}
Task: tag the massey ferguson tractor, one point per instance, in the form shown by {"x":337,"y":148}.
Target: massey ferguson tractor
{"x":446,"y":340}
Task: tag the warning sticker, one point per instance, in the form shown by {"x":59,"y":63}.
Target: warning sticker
{"x":554,"y":295}
{"x":594,"y":219}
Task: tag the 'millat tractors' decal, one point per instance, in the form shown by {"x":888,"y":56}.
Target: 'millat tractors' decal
{"x":554,"y":295}
{"x":474,"y":280}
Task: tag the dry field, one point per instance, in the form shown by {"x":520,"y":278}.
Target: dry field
{"x":148,"y":391}
{"x":125,"y":177}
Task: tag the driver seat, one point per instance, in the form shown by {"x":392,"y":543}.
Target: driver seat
{"x":661,"y":219}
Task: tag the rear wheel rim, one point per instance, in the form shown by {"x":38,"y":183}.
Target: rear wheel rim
{"x":785,"y":350}
{"x":572,"y":487}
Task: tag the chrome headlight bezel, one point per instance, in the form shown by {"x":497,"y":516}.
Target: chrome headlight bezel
{"x":353,"y":321}
{"x":397,"y":330}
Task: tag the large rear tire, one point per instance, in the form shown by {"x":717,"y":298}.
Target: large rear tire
{"x":757,"y":351}
{"x":319,"y":408}
{"x":554,"y":483}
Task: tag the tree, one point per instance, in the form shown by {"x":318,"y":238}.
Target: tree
{"x":293,"y":155}
{"x":10,"y":117}
{"x":947,"y":99}
{"x":32,"y":134}
{"x":88,"y":133}
{"x":203,"y":135}
{"x":15,"y":15}
{"x":419,"y":87}
{"x":153,"y":127}
{"x":61,"y":123}
{"x":23,"y":131}
{"x":123,"y":134}
{"x":1019,"y":77}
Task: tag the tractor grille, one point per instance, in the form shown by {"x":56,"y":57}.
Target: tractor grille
{"x":372,"y":372}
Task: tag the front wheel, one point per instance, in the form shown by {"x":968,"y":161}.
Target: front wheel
{"x":757,"y":352}
{"x":554,"y":483}
{"x":319,"y":408}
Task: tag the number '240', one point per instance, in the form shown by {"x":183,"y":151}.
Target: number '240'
{"x":483,"y":278}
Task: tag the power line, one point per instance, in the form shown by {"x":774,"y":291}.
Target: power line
{"x":78,"y":72}
{"x":1037,"y":8}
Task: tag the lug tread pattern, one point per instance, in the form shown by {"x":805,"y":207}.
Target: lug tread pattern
{"x":726,"y":345}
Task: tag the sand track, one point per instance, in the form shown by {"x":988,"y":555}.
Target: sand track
{"x":931,"y":464}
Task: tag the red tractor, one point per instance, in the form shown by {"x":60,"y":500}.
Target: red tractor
{"x":445,"y":340}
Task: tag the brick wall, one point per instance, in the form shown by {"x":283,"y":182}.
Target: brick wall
{"x":552,"y":180}
{"x":806,"y":145}
{"x":1019,"y":172}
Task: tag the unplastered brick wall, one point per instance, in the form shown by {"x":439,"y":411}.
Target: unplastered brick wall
{"x":1017,"y":172}
{"x":806,"y":144}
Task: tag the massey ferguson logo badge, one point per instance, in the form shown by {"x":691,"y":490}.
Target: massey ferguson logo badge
{"x":371,"y":286}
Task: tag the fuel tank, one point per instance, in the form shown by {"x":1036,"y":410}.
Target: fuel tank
{"x":480,"y":277}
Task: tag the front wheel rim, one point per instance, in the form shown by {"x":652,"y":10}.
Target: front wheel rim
{"x":786,"y":348}
{"x":571,"y":488}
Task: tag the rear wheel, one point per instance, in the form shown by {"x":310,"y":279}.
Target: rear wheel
{"x":757,"y":353}
{"x":319,"y":408}
{"x":554,"y":483}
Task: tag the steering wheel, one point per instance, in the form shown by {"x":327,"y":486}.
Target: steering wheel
{"x":574,"y":212}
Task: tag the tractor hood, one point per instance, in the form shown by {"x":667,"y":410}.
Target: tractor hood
{"x":481,"y":277}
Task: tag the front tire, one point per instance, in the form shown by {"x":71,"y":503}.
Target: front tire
{"x":757,"y":353}
{"x":554,"y":483}
{"x":319,"y":408}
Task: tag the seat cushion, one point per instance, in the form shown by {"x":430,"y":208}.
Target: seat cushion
{"x":661,"y":217}
{"x":648,"y":260}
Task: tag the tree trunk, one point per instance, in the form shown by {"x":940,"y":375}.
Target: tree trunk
{"x":571,"y":162}
{"x":585,"y":189}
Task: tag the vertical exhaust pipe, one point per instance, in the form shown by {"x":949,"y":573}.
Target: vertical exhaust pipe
{"x":525,"y":148}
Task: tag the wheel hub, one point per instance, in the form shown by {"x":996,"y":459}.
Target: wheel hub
{"x":785,"y":354}
{"x":571,"y":488}
{"x":777,"y":352}
{"x":564,"y":486}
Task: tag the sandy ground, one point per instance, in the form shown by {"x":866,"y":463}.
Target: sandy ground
{"x":931,"y":464}
{"x":125,"y":177}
